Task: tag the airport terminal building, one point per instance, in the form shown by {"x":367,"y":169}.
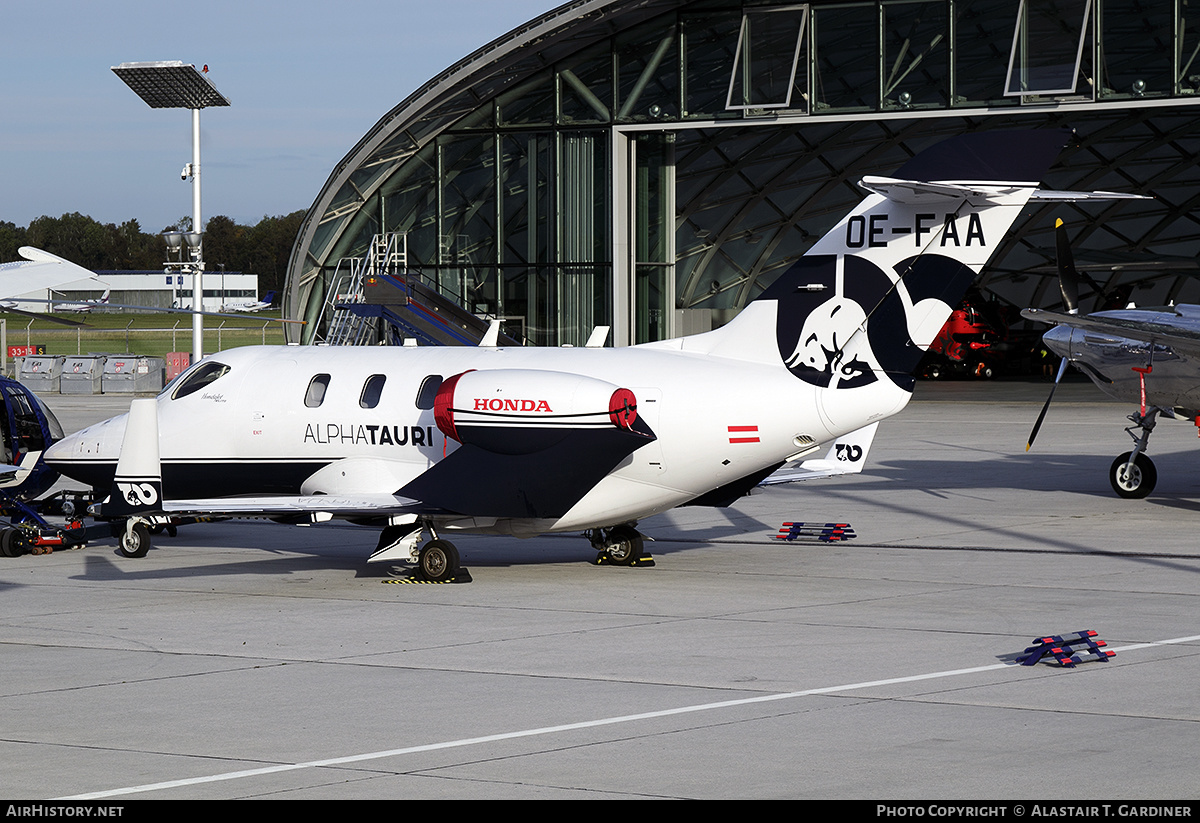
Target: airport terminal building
{"x":652,"y":165}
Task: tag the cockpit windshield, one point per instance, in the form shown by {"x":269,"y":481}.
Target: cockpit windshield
{"x":198,"y":378}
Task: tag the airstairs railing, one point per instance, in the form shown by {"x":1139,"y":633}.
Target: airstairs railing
{"x":387,"y":256}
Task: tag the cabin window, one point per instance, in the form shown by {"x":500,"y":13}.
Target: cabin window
{"x":315,"y":395}
{"x":200,"y":377}
{"x":428,"y":391}
{"x":372,"y":389}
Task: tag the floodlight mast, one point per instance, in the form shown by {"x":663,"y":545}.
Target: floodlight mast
{"x":177,"y":85}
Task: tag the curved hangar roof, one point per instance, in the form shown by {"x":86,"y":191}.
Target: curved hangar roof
{"x":694,"y":148}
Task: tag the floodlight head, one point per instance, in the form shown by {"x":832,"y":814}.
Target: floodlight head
{"x":170,"y":84}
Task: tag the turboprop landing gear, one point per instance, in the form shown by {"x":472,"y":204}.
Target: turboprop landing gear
{"x":1133,"y":475}
{"x":619,"y":546}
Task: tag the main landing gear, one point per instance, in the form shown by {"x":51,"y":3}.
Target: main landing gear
{"x":437,"y":561}
{"x":1133,"y":475}
{"x":621,"y":545}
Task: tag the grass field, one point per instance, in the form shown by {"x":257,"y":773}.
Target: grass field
{"x":152,"y":335}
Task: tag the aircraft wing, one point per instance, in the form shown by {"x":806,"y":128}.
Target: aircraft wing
{"x":40,"y":270}
{"x":310,"y":508}
{"x":846,"y":455}
{"x":1182,"y":338}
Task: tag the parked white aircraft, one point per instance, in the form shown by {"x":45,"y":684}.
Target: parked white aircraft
{"x":525,"y":441}
{"x":251,"y":305}
{"x":83,"y":306}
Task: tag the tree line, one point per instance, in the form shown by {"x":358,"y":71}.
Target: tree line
{"x":262,"y":249}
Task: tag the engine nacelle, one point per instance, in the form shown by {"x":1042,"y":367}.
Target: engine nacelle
{"x":520,"y":411}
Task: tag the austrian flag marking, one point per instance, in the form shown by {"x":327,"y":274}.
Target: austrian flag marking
{"x":743,"y":434}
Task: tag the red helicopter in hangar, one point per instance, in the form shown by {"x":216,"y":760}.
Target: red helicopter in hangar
{"x":968,"y":341}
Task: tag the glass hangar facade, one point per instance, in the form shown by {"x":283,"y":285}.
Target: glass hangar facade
{"x":652,"y":165}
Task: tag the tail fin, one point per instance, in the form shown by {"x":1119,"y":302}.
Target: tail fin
{"x":867,"y":299}
{"x":137,"y":484}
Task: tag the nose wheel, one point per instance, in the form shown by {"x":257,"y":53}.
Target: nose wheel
{"x":1133,"y":475}
{"x":1133,"y":479}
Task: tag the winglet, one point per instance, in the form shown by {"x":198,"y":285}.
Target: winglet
{"x":137,"y":484}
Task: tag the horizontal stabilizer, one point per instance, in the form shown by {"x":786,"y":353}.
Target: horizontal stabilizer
{"x":847,"y":455}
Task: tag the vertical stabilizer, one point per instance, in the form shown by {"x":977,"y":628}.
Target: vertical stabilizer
{"x":865,"y":302}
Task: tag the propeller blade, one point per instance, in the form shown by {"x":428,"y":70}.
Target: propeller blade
{"x":1068,"y":277}
{"x":1062,"y":367}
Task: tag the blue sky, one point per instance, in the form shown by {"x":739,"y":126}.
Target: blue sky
{"x":306,"y":80}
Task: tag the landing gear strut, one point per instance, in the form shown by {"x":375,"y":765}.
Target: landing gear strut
{"x":1133,"y":475}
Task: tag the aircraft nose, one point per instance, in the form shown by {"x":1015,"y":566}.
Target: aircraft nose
{"x":1058,"y":339}
{"x":81,"y":454}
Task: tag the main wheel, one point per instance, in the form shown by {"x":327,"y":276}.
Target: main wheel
{"x":624,"y":546}
{"x":438,"y":560}
{"x":135,"y":542}
{"x":12,"y":543}
{"x":1134,"y":481}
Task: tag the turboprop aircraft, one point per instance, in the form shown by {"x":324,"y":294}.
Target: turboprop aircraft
{"x":1149,"y":357}
{"x":526,"y":441}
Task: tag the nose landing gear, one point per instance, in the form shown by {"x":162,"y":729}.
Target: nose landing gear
{"x":1133,"y":474}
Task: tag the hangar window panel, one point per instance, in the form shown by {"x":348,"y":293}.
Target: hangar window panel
{"x":1135,"y":49}
{"x":709,"y":48}
{"x":769,"y":60}
{"x":982,"y":35}
{"x":531,"y":103}
{"x":1047,"y":47}
{"x":372,"y":391}
{"x":648,"y":74}
{"x":526,"y":172}
{"x":410,"y":205}
{"x":587,"y":88}
{"x":1187,"y":36}
{"x":916,"y":65}
{"x":314,"y":396}
{"x":467,"y":194}
{"x":846,"y":59}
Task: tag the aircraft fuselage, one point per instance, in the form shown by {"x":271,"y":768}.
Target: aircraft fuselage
{"x":257,"y":429}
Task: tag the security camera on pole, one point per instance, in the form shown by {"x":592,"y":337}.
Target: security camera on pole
{"x":176,"y":85}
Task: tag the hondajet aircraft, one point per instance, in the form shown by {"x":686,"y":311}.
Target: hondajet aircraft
{"x":524,"y":441}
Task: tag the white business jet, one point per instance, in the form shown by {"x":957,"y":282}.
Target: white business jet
{"x":426,"y":442}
